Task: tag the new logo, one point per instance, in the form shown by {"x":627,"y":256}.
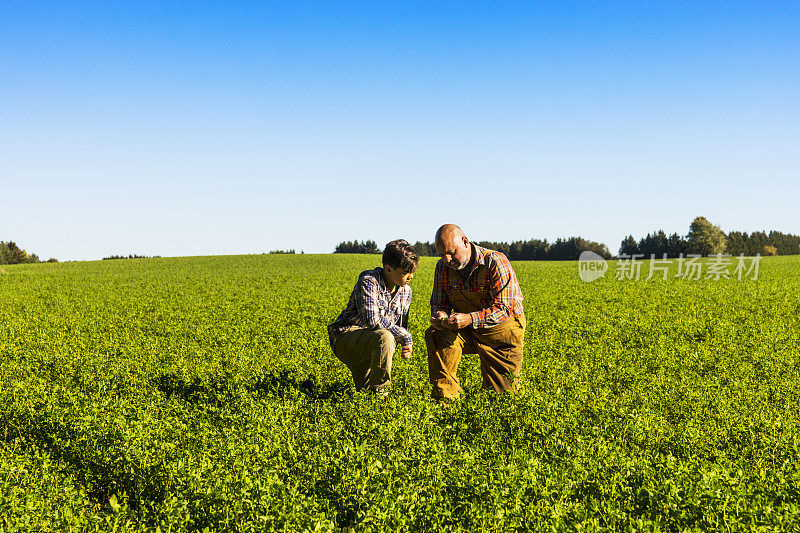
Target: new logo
{"x":591,"y":266}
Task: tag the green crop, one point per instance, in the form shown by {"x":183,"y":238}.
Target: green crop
{"x":201,"y":393}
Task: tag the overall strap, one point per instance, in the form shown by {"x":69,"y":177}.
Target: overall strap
{"x":486,"y":283}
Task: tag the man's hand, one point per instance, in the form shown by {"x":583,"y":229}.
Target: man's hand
{"x":459,"y":320}
{"x":437,"y":322}
{"x":406,"y":352}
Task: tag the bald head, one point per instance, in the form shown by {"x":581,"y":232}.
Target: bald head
{"x":447,"y":232}
{"x":453,"y":246}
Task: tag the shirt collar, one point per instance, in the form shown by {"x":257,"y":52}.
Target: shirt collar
{"x":478,"y":251}
{"x":477,"y":254}
{"x":381,"y":280}
{"x":382,"y":283}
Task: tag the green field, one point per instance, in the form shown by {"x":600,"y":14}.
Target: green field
{"x":194,"y":393}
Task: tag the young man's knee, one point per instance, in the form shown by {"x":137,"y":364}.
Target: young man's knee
{"x":384,"y":339}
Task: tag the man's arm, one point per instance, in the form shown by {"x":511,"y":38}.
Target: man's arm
{"x":440,"y":303}
{"x":371,"y":314}
{"x":439,"y":300}
{"x":502,"y":288}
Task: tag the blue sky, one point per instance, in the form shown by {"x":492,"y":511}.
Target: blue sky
{"x":206,"y":128}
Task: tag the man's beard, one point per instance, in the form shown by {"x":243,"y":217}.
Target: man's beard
{"x":459,"y":266}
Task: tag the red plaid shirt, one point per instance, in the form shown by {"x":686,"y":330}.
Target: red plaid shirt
{"x":505,"y":296}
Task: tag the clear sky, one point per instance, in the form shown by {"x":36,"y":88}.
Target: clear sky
{"x":198,"y":128}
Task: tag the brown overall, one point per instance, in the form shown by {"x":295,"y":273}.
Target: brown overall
{"x":499,"y":347}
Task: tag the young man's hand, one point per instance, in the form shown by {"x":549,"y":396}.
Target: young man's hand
{"x":437,"y":322}
{"x":406,"y":352}
{"x":459,"y":320}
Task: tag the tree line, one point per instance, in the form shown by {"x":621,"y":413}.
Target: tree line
{"x":772,"y":243}
{"x":533,"y":249}
{"x":355,"y":247}
{"x":704,"y":238}
{"x":11,"y":254}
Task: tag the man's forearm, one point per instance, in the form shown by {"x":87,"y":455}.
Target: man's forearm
{"x":490,"y":316}
{"x":401,"y":334}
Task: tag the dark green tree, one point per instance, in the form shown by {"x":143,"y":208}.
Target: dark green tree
{"x":355,"y":247}
{"x":628,"y":246}
{"x":676,"y":245}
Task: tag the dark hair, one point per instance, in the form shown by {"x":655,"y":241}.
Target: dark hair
{"x":400,"y":254}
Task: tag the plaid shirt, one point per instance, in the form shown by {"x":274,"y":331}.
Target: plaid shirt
{"x":371,"y":305}
{"x":505,"y":296}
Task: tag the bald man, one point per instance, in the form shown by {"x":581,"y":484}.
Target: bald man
{"x":476,"y":308}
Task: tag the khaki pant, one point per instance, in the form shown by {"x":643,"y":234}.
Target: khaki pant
{"x":499,"y":348}
{"x":368,"y":355}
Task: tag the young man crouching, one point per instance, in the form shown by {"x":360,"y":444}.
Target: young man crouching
{"x":375,"y":319}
